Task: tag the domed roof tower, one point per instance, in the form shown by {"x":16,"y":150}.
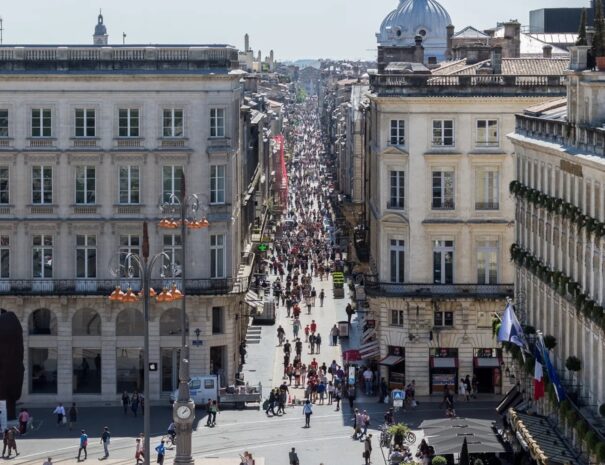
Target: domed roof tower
{"x":100,"y":36}
{"x":424,"y":18}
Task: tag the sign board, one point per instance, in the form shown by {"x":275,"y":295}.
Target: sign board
{"x":262,"y":247}
{"x":352,"y":377}
{"x":3,"y":415}
{"x":197,"y":342}
{"x":397,"y":394}
{"x":153,"y":366}
{"x":398,"y":403}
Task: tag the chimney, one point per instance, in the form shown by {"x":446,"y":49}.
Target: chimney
{"x":512,"y":37}
{"x":496,"y":60}
{"x":246,"y":43}
{"x":450,"y":34}
{"x":547,"y":51}
{"x":418,"y":50}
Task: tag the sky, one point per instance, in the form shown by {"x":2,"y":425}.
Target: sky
{"x":336,"y":29}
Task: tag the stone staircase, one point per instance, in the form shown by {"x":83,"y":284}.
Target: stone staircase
{"x":253,"y":335}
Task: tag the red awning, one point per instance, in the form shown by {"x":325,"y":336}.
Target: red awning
{"x":351,"y":355}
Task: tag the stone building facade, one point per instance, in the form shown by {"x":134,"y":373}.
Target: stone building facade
{"x":91,"y":139}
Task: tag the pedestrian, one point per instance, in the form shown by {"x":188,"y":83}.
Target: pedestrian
{"x":321,"y":392}
{"x":242,"y":352}
{"x":307,"y":411}
{"x":313,"y":327}
{"x":23,"y":420}
{"x":384,"y":391}
{"x":73,"y":415}
{"x":367,"y":449}
{"x":293,"y":457}
{"x":337,"y":396}
{"x":365,"y":422}
{"x":49,"y":461}
{"x":307,"y":330}
{"x":368,"y":377}
{"x":83,"y":445}
{"x":462,"y":390}
{"x":60,"y":412}
{"x":139,"y":453}
{"x":125,"y":402}
{"x":209,"y":417}
{"x":350,"y":312}
{"x":318,"y":342}
{"x":312,"y":339}
{"x":161,"y":450}
{"x":468,"y":387}
{"x":351,"y":395}
{"x":334,"y":334}
{"x":213,"y":412}
{"x":322,"y":296}
{"x":105,"y":440}
{"x":9,"y":441}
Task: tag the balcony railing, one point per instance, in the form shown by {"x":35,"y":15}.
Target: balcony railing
{"x":377,"y":289}
{"x":104,"y":287}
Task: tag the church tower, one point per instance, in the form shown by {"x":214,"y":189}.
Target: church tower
{"x":100,"y":37}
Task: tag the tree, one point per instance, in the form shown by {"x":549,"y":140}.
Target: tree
{"x":11,"y":361}
{"x":582,"y":31}
{"x":598,"y":42}
{"x":464,"y":457}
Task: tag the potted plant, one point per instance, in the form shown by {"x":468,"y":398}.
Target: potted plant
{"x":598,"y":41}
{"x":550,"y":342}
{"x":439,"y":460}
{"x":398,"y":431}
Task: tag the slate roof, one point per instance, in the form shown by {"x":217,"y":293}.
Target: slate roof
{"x":510,"y":66}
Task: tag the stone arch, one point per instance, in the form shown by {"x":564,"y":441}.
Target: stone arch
{"x":86,"y":322}
{"x":42,"y":322}
{"x":130,"y":322}
{"x":170,"y":322}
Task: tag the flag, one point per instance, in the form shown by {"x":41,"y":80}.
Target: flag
{"x":553,"y":376}
{"x":510,"y":329}
{"x":538,"y":375}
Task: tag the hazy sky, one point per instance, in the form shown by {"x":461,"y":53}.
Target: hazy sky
{"x":294,"y":29}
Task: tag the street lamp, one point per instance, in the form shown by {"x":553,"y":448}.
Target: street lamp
{"x":181,"y":212}
{"x":145,"y":267}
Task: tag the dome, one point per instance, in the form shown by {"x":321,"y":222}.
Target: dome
{"x":100,"y":29}
{"x":425,"y":18}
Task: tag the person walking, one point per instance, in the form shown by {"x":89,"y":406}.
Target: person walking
{"x":367,"y":449}
{"x":60,"y":412}
{"x":368,"y":377}
{"x":23,"y":419}
{"x":105,"y":440}
{"x":9,"y":442}
{"x":307,"y":411}
{"x":350,"y":312}
{"x":139,"y":452}
{"x":72,"y":415}
{"x":134,"y":402}
{"x":334,"y":335}
{"x":49,"y":461}
{"x":322,"y":296}
{"x":213,"y":412}
{"x":318,"y":343}
{"x":125,"y":402}
{"x":161,"y":450}
{"x":83,"y":445}
{"x":293,"y":457}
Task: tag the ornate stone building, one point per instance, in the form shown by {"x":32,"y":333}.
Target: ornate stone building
{"x":91,"y":138}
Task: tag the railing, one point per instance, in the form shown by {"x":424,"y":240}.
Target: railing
{"x":590,"y":139}
{"x":129,"y":143}
{"x":5,"y":143}
{"x":172,"y":143}
{"x":375,"y":288}
{"x":128,"y":209}
{"x":104,"y":287}
{"x":467,"y":84}
{"x":85,"y":209}
{"x":84,"y":143}
{"x":42,"y":209}
{"x":41,"y":143}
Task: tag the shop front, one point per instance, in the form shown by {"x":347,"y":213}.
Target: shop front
{"x":487,"y":370}
{"x":395,"y":364}
{"x":443,"y":369}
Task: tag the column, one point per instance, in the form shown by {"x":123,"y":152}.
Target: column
{"x":64,"y":352}
{"x":108,"y":352}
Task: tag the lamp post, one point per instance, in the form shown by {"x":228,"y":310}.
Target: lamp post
{"x":145,"y":266}
{"x":180,"y":212}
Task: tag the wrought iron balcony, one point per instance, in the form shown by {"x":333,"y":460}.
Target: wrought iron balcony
{"x":103,"y":287}
{"x":375,"y":288}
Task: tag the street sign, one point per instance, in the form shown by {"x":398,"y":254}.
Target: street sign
{"x":398,"y":403}
{"x":262,"y":247}
{"x":397,"y":394}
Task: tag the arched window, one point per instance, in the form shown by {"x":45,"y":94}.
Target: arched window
{"x":42,"y":322}
{"x":170,"y":322}
{"x":130,"y":323}
{"x":86,"y":322}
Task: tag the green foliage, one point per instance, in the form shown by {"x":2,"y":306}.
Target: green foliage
{"x":564,"y":407}
{"x":591,"y":440}
{"x":581,"y":428}
{"x":600,"y":447}
{"x":398,"y":429}
{"x":573,"y":363}
{"x":582,"y":30}
{"x":550,"y":342}
{"x":439,"y":460}
{"x":301,"y":95}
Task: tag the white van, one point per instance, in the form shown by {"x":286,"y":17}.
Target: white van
{"x":202,"y":388}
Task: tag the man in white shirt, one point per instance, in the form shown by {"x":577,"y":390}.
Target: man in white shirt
{"x":60,"y":412}
{"x":368,"y":377}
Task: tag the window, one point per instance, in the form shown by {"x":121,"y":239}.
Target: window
{"x":86,"y":371}
{"x":487,"y":189}
{"x":397,"y":197}
{"x":443,"y":133}
{"x":173,"y":248}
{"x":85,"y":185}
{"x":217,"y":122}
{"x":172,"y":178}
{"x":128,"y":122}
{"x":173,"y":123}
{"x":86,"y":256}
{"x":41,"y":122}
{"x":217,"y":184}
{"x":444,"y":319}
{"x":42,"y":184}
{"x":443,"y":262}
{"x":397,"y":252}
{"x":43,"y":371}
{"x":443,"y":190}
{"x":396,"y":317}
{"x":86,"y":322}
{"x":42,"y":256}
{"x":130,"y":369}
{"x":129,"y":244}
{"x":487,"y":262}
{"x":5,"y":253}
{"x":129,"y":184}
{"x":397,"y":132}
{"x":85,"y":122}
{"x":3,"y":123}
{"x":217,"y":255}
{"x":487,"y":133}
{"x":4,"y":197}
{"x":217,"y":320}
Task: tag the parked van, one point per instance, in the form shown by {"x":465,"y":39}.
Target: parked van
{"x":202,"y":388}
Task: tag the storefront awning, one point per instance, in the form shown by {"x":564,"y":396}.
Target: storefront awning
{"x":445,"y":362}
{"x":491,"y":362}
{"x":392,"y":360}
{"x":369,"y":349}
{"x":253,"y":299}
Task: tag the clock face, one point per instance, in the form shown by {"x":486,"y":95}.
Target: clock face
{"x":183,"y":412}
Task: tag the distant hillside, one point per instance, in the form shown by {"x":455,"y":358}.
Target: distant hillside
{"x":303,"y":63}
